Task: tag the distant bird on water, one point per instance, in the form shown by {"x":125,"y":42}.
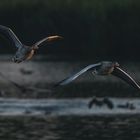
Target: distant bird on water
{"x":24,"y":52}
{"x":103,"y":68}
{"x":127,"y":105}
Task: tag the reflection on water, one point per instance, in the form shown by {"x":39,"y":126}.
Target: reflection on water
{"x":70,"y":128}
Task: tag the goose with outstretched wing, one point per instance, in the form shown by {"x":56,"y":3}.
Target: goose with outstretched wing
{"x":101,"y":102}
{"x":24,"y":52}
{"x":23,"y":88}
{"x":103,"y":68}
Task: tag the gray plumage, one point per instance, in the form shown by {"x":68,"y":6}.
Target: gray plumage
{"x":103,"y":68}
{"x":76,"y":75}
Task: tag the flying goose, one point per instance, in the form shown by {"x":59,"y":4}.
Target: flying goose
{"x":24,"y":52}
{"x":23,"y":88}
{"x":101,"y":102}
{"x":102,"y":68}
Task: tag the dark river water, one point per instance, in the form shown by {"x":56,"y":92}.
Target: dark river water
{"x":70,"y":128}
{"x":67,"y":120}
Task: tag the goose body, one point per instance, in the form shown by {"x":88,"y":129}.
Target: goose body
{"x":24,"y":52}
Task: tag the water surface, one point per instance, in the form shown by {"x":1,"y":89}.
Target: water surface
{"x":70,"y":128}
{"x":65,"y":119}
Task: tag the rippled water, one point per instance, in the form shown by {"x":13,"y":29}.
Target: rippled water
{"x":70,"y":128}
{"x":67,"y":120}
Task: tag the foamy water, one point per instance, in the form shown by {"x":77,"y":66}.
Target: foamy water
{"x":58,"y":107}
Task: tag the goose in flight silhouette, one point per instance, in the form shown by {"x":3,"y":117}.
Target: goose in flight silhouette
{"x":24,"y":52}
{"x":101,"y":102}
{"x":23,"y":88}
{"x":103,"y":68}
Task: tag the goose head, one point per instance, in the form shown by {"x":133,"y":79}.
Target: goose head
{"x":115,"y":64}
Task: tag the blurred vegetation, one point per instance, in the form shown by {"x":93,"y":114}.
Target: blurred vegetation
{"x":91,"y":28}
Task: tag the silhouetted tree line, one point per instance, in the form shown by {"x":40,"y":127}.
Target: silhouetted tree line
{"x":91,"y":28}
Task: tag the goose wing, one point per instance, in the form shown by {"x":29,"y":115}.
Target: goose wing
{"x":48,"y":39}
{"x":126,"y":77}
{"x":109,"y":103}
{"x":76,"y":75}
{"x":93,"y":101}
{"x":7,"y":32}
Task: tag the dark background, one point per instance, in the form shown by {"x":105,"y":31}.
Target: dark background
{"x":92,"y":29}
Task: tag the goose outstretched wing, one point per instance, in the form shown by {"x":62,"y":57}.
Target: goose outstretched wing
{"x":7,"y":32}
{"x":76,"y":75}
{"x":23,"y":88}
{"x":48,"y":39}
{"x":126,"y":77}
